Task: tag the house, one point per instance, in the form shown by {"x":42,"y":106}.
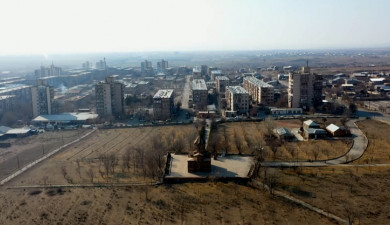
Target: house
{"x":284,"y":133}
{"x":311,"y":130}
{"x":310,"y":124}
{"x":314,"y":133}
{"x":337,"y":131}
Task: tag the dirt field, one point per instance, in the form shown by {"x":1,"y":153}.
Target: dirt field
{"x":359,"y":192}
{"x":33,"y":147}
{"x":81,"y":161}
{"x":243,"y":137}
{"x":208,"y":203}
{"x":378,"y":150}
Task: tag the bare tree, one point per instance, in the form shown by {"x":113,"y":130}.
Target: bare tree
{"x":78,"y":168}
{"x":126,"y":158}
{"x":90,"y":174}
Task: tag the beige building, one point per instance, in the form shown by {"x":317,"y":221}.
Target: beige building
{"x":163,"y":104}
{"x":260,"y":92}
{"x":199,"y":94}
{"x":110,"y":97}
{"x":221,"y":83}
{"x":42,"y":96}
{"x":238,"y":99}
{"x":305,"y":89}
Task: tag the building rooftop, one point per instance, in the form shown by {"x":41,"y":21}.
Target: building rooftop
{"x":196,"y":69}
{"x":2,"y":91}
{"x":237,"y":90}
{"x":215,"y":72}
{"x":311,"y":123}
{"x":65,"y":117}
{"x":377,"y":79}
{"x":6,"y":97}
{"x":221,"y":78}
{"x":164,"y":93}
{"x":333,"y":128}
{"x":257,"y":82}
{"x":199,"y":84}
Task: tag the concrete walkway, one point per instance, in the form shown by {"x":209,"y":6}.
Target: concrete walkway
{"x":360,"y":143}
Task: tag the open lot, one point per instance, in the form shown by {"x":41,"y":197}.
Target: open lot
{"x":199,"y":203}
{"x":85,"y":162}
{"x":378,"y":150}
{"x":244,"y":137}
{"x":357,"y":192}
{"x":28,"y":149}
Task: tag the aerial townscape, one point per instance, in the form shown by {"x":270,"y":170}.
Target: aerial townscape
{"x":196,"y":135}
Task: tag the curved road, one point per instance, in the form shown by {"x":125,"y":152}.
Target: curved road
{"x":360,"y":143}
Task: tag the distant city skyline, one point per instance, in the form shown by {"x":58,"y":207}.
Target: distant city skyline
{"x":57,"y":26}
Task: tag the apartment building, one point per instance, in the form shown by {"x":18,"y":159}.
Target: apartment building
{"x":260,"y":92}
{"x":7,"y":103}
{"x":42,"y":96}
{"x":221,"y":83}
{"x":163,"y":104}
{"x":109,"y":97}
{"x":238,"y":99}
{"x":197,"y":72}
{"x":199,"y":94}
{"x":305,"y":89}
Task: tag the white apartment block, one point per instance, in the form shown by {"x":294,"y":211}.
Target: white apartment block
{"x":238,"y":99}
{"x":199,"y":94}
{"x":260,"y":92}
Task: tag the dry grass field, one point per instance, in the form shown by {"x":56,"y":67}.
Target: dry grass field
{"x":85,"y":161}
{"x":198,"y":203}
{"x":360,"y":193}
{"x":244,"y":137}
{"x":33,"y":147}
{"x":378,"y":150}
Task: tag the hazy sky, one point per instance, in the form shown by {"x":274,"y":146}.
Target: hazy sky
{"x":62,"y":26}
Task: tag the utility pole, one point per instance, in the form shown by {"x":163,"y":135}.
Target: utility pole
{"x":17,"y":158}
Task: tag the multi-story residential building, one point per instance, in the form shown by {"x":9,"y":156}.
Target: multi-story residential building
{"x":163,"y":104}
{"x":203,"y":69}
{"x":197,"y":72}
{"x":101,"y":64}
{"x":199,"y":94}
{"x":215,"y":73}
{"x":48,"y":71}
{"x":146,"y":67}
{"x":260,"y":92}
{"x":221,"y":83}
{"x":22,"y":93}
{"x":162,"y":66}
{"x":7,"y":103}
{"x":42,"y":96}
{"x":110,"y":97}
{"x":238,"y":99}
{"x":305,"y":89}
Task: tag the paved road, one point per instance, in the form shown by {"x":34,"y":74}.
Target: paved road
{"x":360,"y":143}
{"x":186,"y":93}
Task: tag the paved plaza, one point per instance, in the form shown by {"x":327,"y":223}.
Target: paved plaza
{"x":228,"y":166}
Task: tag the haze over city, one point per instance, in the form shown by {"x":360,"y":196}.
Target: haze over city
{"x":194,"y":112}
{"x":47,"y":26}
